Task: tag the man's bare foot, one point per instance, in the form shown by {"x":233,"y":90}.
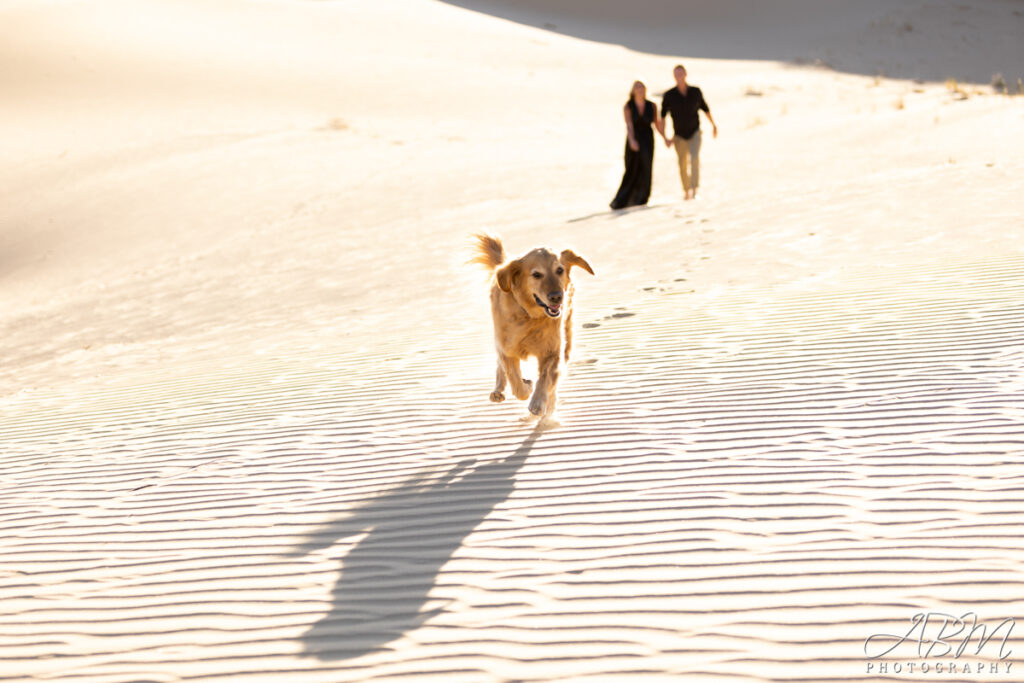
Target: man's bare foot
{"x":689,"y":195}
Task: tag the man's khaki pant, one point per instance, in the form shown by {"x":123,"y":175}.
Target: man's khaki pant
{"x":688,"y":152}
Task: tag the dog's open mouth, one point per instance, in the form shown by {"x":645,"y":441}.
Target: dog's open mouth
{"x":553,"y":311}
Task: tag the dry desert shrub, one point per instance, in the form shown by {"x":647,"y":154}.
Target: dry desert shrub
{"x":1000,"y":85}
{"x":953,"y":86}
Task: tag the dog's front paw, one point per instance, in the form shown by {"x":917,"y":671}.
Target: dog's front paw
{"x":537,"y":406}
{"x":497,"y":397}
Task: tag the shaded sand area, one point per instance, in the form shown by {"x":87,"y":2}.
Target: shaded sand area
{"x":244,"y":429}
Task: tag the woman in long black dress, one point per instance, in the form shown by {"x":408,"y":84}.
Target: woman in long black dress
{"x":640,"y":114}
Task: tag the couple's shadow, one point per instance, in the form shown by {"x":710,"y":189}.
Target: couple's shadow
{"x":615,"y":213}
{"x":410,"y":533}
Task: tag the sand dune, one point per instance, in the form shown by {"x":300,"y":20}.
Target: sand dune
{"x":907,"y":39}
{"x":244,"y":427}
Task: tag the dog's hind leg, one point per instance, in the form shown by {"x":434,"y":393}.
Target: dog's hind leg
{"x":520,"y":387}
{"x":498,"y":395}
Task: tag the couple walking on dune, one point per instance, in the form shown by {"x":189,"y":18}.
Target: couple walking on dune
{"x":682,"y":103}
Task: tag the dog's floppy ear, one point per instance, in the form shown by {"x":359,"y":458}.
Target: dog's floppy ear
{"x":570,"y":259}
{"x":509,"y":275}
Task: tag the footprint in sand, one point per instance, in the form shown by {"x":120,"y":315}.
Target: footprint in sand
{"x":619,"y":313}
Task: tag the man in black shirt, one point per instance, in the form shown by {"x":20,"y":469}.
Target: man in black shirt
{"x":683,"y":103}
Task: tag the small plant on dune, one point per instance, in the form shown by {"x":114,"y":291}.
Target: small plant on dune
{"x":953,"y":86}
{"x":1000,"y":86}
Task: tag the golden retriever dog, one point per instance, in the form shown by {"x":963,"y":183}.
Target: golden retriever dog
{"x":531,"y":302}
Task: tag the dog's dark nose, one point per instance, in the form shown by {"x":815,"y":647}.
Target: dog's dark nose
{"x":555,"y":297}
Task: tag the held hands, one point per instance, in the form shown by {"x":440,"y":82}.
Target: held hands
{"x":668,"y":141}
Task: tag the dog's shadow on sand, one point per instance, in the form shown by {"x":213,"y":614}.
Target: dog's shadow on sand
{"x":410,"y":533}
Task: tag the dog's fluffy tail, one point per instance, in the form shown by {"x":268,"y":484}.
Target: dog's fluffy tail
{"x":489,"y":252}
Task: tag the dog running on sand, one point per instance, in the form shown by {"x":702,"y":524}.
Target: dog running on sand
{"x":531,"y":302}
